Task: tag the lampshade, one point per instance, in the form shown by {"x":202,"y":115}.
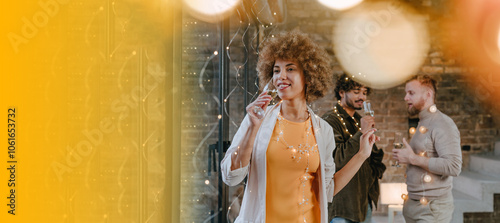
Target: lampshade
{"x":390,"y":193}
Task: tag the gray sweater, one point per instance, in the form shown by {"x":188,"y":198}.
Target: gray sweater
{"x":439,"y":137}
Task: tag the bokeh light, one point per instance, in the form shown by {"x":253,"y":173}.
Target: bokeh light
{"x":427,"y":178}
{"x":424,"y":201}
{"x":340,"y":4}
{"x":412,"y":130}
{"x":498,"y":39}
{"x":404,"y":197}
{"x":381,"y":44}
{"x":473,"y":32}
{"x":210,"y":11}
{"x":489,"y":37}
{"x":433,"y":109}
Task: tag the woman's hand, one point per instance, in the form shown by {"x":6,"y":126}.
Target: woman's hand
{"x":345,"y":174}
{"x":366,"y":142}
{"x":367,"y":123}
{"x":262,"y":101}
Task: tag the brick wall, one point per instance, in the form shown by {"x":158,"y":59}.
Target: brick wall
{"x":461,"y":100}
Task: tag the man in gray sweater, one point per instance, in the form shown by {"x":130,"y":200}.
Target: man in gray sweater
{"x":433,"y":156}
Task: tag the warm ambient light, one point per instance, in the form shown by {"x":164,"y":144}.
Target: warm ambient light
{"x":340,"y":4}
{"x":412,"y":130}
{"x":391,"y":193}
{"x":498,"y":43}
{"x":433,"y":108}
{"x":404,"y":196}
{"x":424,"y":201}
{"x":381,"y":43}
{"x":210,"y":11}
{"x":477,"y":23}
{"x":427,"y":178}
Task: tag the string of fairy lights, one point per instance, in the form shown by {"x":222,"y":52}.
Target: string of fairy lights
{"x":425,"y":177}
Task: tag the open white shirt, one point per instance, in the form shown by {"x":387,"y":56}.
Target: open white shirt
{"x":253,"y":207}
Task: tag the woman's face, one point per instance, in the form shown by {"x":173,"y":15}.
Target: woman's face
{"x":288,"y":78}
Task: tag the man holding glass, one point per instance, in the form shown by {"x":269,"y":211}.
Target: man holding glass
{"x":354,"y":202}
{"x":433,"y":156}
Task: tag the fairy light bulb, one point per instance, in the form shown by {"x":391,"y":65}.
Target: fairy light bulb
{"x":207,"y":182}
{"x":422,"y":129}
{"x":424,"y":201}
{"x":427,"y":178}
{"x":412,"y":130}
{"x":433,"y":109}
{"x":404,"y":196}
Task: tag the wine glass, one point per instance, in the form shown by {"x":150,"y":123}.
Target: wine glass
{"x":367,"y":107}
{"x":398,"y":144}
{"x":274,"y":92}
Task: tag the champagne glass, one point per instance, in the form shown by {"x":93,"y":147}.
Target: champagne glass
{"x":398,"y":144}
{"x":274,"y":92}
{"x":367,"y":107}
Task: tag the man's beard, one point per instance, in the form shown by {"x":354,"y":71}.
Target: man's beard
{"x":416,"y":108}
{"x":351,"y":105}
{"x":413,"y":111}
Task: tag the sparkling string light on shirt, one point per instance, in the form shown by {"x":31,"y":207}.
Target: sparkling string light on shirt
{"x":342,"y":119}
{"x":426,"y":178}
{"x":297,"y":152}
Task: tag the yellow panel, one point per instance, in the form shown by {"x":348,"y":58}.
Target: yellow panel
{"x":87,"y":80}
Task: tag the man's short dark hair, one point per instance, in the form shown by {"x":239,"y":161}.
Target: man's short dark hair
{"x":345,"y":83}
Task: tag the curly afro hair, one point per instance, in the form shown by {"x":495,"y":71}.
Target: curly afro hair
{"x":298,"y":47}
{"x":345,"y":83}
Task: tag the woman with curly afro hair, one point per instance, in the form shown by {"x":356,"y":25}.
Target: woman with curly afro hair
{"x":287,"y":153}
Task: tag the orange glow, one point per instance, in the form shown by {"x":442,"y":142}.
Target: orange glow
{"x":424,"y":201}
{"x":473,"y":32}
{"x":412,"y":130}
{"x":498,"y":39}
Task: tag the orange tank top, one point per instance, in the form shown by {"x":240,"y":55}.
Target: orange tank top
{"x":292,"y":189}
